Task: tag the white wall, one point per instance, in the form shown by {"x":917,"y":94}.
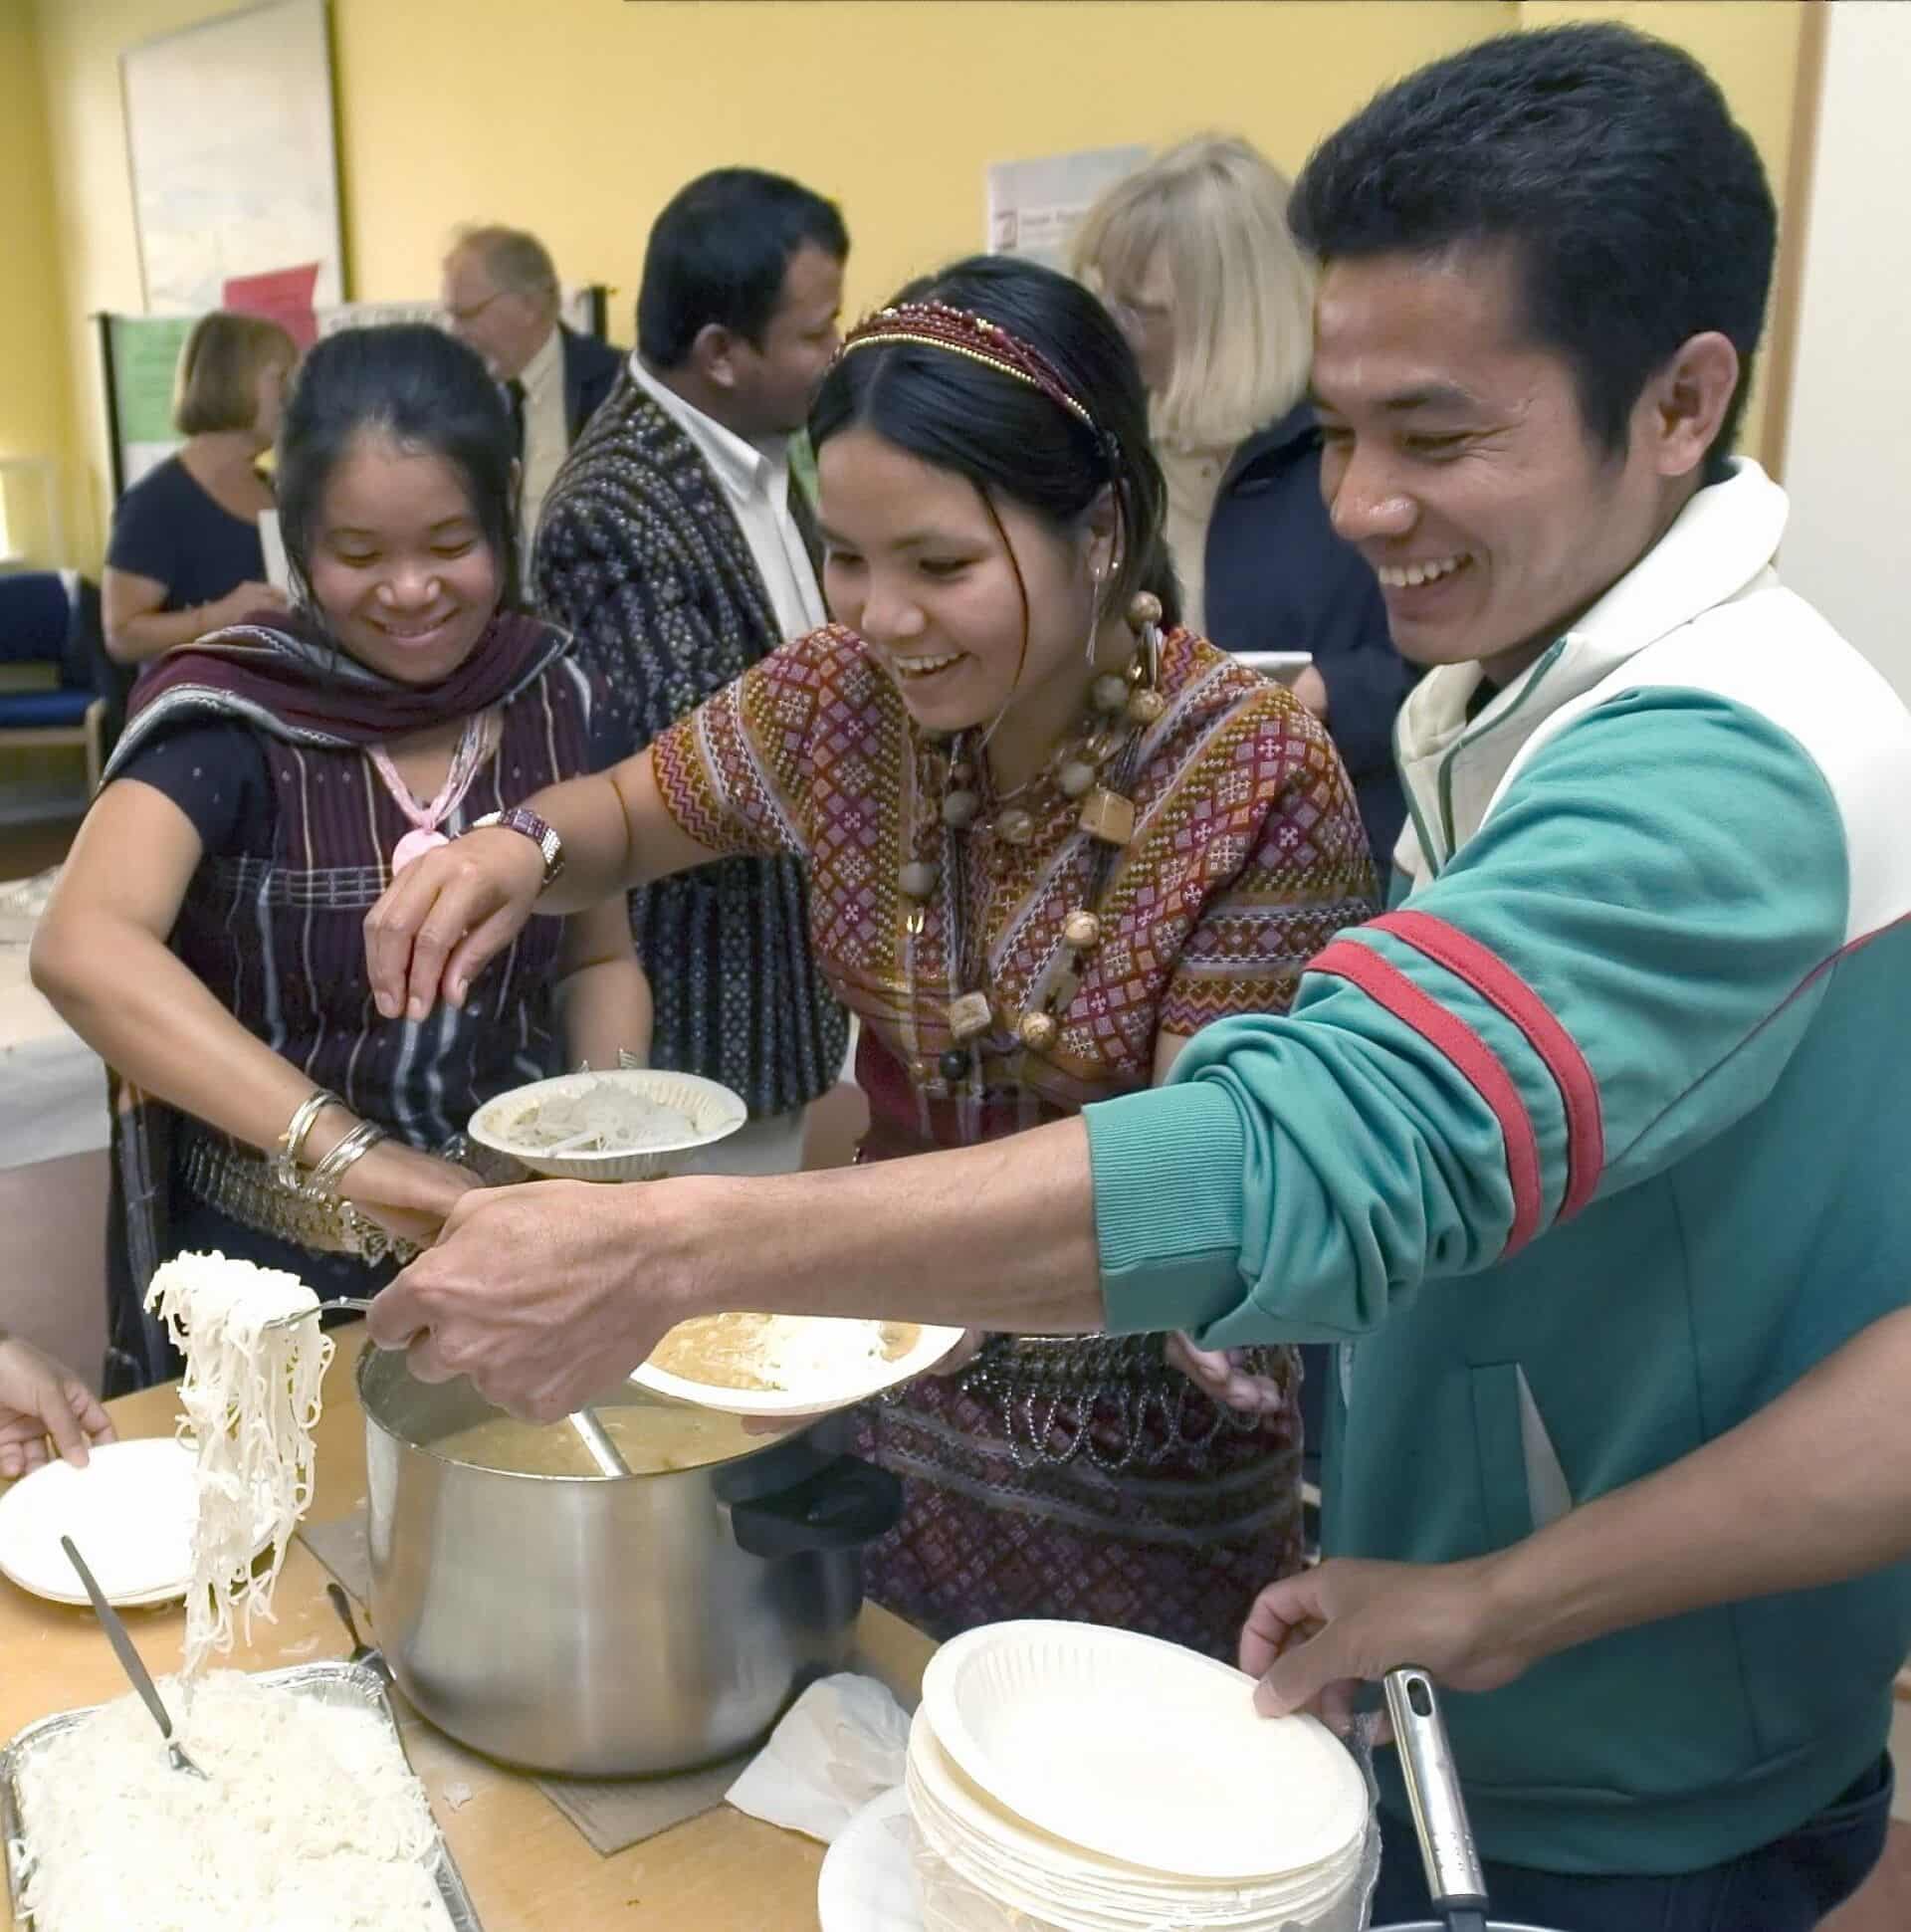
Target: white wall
{"x":1847,"y":460}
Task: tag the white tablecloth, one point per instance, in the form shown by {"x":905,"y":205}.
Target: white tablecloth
{"x":52,"y":1086}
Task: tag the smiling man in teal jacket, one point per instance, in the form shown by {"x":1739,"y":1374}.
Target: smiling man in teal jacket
{"x":1597,"y":1141}
{"x":1589,"y":1151}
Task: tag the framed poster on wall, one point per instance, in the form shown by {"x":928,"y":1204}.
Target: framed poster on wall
{"x":235,"y":172}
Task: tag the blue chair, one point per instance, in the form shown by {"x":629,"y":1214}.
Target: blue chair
{"x":57,"y":685}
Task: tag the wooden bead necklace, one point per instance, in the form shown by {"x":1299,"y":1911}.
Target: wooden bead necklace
{"x":1095,"y":765}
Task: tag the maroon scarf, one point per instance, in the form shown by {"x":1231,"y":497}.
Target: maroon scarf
{"x":283,"y":675}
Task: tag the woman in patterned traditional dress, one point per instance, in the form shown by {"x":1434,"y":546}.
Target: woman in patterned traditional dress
{"x":1048,"y":840}
{"x":206,"y":936}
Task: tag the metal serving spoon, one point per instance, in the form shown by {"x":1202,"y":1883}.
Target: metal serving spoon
{"x":122,"y":1641}
{"x":591,"y":1431}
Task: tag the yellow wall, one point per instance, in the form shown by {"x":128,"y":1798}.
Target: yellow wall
{"x":578,"y":118}
{"x":894,"y":110}
{"x":1752,"y":48}
{"x":34,"y":416}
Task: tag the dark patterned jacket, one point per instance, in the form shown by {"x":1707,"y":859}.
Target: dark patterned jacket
{"x":641,"y":558}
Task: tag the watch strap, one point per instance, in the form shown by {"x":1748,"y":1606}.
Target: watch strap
{"x":520,"y":818}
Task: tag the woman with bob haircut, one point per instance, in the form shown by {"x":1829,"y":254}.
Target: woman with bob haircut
{"x":184,"y":557}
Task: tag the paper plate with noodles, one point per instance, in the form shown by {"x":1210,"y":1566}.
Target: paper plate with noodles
{"x":788,"y":1365}
{"x":129,"y":1512}
{"x":613,"y":1126}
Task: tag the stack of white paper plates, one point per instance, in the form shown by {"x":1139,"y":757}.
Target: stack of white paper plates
{"x":1095,"y":1780}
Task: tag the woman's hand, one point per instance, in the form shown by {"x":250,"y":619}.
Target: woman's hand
{"x":446,"y":916}
{"x":408,"y":1193}
{"x":40,"y":1398}
{"x":1217,"y":1374}
{"x":239,"y":603}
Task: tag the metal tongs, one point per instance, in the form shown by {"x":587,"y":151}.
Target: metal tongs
{"x":591,"y":1431}
{"x":122,"y":1641}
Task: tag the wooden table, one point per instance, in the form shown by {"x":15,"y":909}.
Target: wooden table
{"x":527,"y":1867}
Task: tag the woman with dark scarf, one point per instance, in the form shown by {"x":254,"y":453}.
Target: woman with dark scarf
{"x":206,"y":934}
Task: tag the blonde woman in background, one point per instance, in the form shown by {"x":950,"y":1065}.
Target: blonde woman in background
{"x":1193,"y":255}
{"x":184,"y":557}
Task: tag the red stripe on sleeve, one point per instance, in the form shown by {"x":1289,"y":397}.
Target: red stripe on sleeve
{"x":1495,"y":982}
{"x":1389,"y":986}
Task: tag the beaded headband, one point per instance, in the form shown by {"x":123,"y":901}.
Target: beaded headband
{"x":935,"y":325}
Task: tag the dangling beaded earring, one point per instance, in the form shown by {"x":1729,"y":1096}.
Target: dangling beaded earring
{"x":1107,"y":813}
{"x":1094,"y":611}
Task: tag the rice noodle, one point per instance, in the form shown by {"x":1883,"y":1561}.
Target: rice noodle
{"x":251,"y":1398}
{"x":310,"y":1822}
{"x":602,"y":1118}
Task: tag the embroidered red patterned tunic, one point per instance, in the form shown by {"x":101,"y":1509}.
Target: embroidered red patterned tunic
{"x":1246,"y":860}
{"x":1051,"y":1479}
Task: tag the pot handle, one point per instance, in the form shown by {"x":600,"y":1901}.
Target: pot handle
{"x":841,"y":1506}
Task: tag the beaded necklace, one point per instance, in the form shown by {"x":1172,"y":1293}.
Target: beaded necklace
{"x":1097,"y":765}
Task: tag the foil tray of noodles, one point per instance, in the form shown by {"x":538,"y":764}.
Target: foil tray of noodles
{"x":309,"y":1819}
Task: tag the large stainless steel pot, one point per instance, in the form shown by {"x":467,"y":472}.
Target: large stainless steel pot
{"x":607,"y":1625}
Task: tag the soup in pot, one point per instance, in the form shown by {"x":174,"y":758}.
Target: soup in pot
{"x":654,"y":1439}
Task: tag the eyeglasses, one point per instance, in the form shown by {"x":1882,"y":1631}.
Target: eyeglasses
{"x":476,"y":309}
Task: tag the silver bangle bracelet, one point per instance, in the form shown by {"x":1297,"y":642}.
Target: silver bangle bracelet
{"x":292,"y":1143}
{"x":324,"y":1182}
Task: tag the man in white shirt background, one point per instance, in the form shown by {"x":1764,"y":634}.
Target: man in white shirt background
{"x":678,"y":550}
{"x":502,"y":296}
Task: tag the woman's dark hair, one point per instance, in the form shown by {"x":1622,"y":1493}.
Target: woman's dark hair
{"x":1636,"y":210}
{"x":719,"y":253}
{"x":1007,"y":438}
{"x":424,"y":390}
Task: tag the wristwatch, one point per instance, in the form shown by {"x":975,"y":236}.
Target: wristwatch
{"x":517,"y":819}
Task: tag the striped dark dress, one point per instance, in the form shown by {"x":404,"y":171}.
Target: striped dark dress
{"x":640,"y":557}
{"x":272,"y":924}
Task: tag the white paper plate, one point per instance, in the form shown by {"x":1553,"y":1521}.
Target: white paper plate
{"x":978,"y":1837}
{"x":1142,"y":1751}
{"x":129,"y":1512}
{"x":867,"y":1883}
{"x":715,"y":1113}
{"x":810,"y":1397}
